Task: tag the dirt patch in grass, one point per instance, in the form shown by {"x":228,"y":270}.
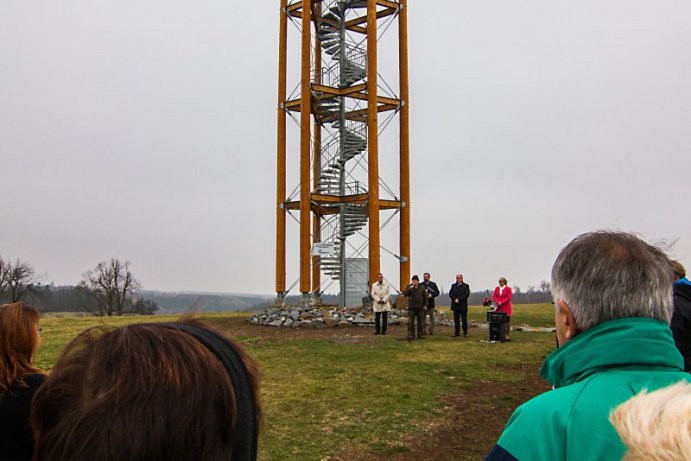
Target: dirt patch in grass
{"x":472,"y":422}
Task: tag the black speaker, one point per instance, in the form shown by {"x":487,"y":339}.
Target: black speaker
{"x":497,"y":330}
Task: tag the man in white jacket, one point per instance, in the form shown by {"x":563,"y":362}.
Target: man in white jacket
{"x":381,"y":292}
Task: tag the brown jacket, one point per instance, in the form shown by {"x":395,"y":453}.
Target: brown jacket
{"x":417,"y":297}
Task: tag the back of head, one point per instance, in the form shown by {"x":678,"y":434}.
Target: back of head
{"x":146,"y":392}
{"x":18,"y":343}
{"x":679,"y":270}
{"x":609,"y":275}
{"x":656,"y":426}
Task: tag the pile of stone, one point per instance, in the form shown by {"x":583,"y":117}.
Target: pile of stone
{"x":329,"y":317}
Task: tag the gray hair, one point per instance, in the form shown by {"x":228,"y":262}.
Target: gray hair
{"x":607,"y":275}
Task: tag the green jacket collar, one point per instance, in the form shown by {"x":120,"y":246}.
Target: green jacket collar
{"x":622,"y":343}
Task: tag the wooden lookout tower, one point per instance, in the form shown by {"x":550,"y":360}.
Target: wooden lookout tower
{"x":340,"y":96}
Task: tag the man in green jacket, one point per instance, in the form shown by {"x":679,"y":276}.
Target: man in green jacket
{"x":613,"y":299}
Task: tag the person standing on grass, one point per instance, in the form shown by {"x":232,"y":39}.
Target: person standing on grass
{"x":502,"y":298}
{"x":613,"y":302}
{"x":459,"y":293}
{"x":432,"y":292}
{"x":417,"y":305}
{"x":381,"y":304}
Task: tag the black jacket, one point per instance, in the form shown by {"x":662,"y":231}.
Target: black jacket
{"x":681,"y":322}
{"x":16,"y":440}
{"x":460,"y":291}
{"x":433,"y":290}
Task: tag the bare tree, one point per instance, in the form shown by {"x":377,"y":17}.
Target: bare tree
{"x":111,"y":284}
{"x":144,"y":306}
{"x":4,"y":277}
{"x":18,"y":279}
{"x":545,"y":286}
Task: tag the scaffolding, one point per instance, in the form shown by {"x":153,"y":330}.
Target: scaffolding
{"x":338,"y":105}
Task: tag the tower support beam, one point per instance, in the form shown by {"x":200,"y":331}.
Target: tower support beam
{"x":372,"y":141}
{"x":305,"y":142}
{"x":281,"y":155}
{"x":404,"y":161}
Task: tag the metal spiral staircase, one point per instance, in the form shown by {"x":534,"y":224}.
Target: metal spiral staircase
{"x":355,"y":218}
{"x":348,"y":67}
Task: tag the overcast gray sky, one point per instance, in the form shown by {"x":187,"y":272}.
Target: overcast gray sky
{"x":146,"y":131}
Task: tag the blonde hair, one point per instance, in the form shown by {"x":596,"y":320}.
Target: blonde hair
{"x":657,"y":425}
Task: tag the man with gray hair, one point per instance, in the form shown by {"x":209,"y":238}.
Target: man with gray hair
{"x":613,"y":303}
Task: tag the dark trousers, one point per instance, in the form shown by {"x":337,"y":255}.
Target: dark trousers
{"x":459,"y":316}
{"x":416,"y":316}
{"x":380,"y":322}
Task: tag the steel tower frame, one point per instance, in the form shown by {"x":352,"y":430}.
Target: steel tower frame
{"x":331,"y":208}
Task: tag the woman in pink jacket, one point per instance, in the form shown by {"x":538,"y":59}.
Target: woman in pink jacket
{"x":502,"y":298}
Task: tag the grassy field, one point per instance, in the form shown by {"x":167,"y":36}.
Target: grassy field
{"x":345,"y":394}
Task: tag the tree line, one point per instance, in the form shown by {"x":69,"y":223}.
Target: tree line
{"x":111,"y":289}
{"x":108,"y":289}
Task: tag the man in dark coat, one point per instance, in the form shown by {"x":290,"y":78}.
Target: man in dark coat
{"x":432,"y":292}
{"x":459,"y":293}
{"x":681,"y":316}
{"x":417,"y":305}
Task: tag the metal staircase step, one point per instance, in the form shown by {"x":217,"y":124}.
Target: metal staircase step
{"x":336,"y":11}
{"x":328,"y":38}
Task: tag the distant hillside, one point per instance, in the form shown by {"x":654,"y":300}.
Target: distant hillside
{"x":178,"y":302}
{"x":67,"y":298}
{"x":50,"y":298}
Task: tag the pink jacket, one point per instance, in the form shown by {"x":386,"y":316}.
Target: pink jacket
{"x":503,"y":300}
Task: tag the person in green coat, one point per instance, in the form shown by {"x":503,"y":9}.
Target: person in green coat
{"x":613,"y":303}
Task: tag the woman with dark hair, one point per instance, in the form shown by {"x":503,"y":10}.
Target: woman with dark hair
{"x":502,"y":298}
{"x":19,"y":379}
{"x":156,"y":391}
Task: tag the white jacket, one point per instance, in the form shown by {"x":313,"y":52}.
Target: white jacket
{"x":381,"y":293}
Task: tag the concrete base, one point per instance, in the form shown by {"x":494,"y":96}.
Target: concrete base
{"x":280,"y":300}
{"x":316,"y":299}
{"x":306,"y":300}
